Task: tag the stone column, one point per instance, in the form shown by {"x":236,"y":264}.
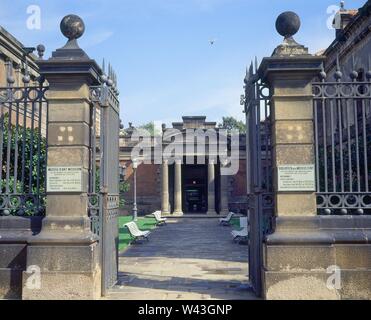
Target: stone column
{"x":66,"y":253}
{"x":178,"y":210}
{"x":224,"y":199}
{"x":165,"y":188}
{"x":211,"y":188}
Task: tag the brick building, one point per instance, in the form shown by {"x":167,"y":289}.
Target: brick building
{"x":15,"y":62}
{"x":157,"y":183}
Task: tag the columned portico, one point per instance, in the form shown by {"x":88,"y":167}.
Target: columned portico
{"x":178,"y":210}
{"x":165,"y":208}
{"x":224,"y":189}
{"x":211,"y":188}
{"x":191,"y":181}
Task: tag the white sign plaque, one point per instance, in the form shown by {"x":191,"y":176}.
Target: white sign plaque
{"x":296,"y":178}
{"x":64,"y":179}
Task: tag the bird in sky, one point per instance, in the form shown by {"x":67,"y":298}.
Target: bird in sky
{"x":212,"y":41}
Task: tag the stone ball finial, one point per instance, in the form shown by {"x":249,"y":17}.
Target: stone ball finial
{"x":72,"y":27}
{"x":40,"y":50}
{"x":287,"y":24}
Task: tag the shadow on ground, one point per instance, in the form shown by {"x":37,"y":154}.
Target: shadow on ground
{"x":187,"y":259}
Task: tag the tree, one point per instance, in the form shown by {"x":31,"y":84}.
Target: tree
{"x":28,"y":142}
{"x":230,"y":123}
{"x":150,"y":127}
{"x":124,"y":188}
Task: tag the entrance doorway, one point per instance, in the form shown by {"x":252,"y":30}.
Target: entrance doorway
{"x":195,"y":189}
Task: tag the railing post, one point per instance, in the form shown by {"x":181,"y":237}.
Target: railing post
{"x":66,"y":251}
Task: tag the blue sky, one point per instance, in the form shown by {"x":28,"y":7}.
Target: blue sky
{"x":160,"y":48}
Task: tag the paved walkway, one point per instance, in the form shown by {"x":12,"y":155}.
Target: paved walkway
{"x":187,"y":259}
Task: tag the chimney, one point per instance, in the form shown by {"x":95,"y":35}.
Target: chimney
{"x":342,"y":19}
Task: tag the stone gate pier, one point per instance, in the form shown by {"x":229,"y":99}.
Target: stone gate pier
{"x":65,"y":254}
{"x":311,"y":253}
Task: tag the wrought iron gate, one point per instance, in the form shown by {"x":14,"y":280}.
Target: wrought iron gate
{"x":342,"y":113}
{"x":104,"y":176}
{"x":259,"y":172}
{"x":23,"y":136}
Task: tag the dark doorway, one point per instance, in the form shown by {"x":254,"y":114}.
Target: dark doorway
{"x":195,"y":188}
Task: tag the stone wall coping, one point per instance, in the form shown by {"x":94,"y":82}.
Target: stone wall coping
{"x":299,"y":65}
{"x":13,"y":237}
{"x":63,"y":238}
{"x":87,"y":67}
{"x":321,"y":237}
{"x":324,"y":222}
{"x":20,"y":223}
{"x":321,"y":230}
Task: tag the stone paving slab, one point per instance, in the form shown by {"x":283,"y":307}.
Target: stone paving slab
{"x":189,"y":259}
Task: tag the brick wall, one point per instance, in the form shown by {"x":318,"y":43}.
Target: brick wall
{"x":238,"y":190}
{"x":148,"y":188}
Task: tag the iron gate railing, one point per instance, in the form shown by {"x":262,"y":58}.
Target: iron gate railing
{"x":259,"y":172}
{"x":104,"y":175}
{"x":23,"y":136}
{"x":342,"y":113}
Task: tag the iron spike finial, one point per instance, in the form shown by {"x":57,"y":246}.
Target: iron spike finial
{"x":342,"y":5}
{"x":104,"y":77}
{"x":256,"y":64}
{"x":354,"y":62}
{"x":338,"y":74}
{"x":246,"y":79}
{"x":368,"y":73}
{"x":323,"y":73}
{"x":109,"y":81}
{"x":354,"y":73}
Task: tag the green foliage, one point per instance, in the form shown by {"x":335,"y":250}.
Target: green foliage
{"x":350,"y":176}
{"x":230,"y":123}
{"x":124,"y":187}
{"x":23,"y":141}
{"x":150,"y":127}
